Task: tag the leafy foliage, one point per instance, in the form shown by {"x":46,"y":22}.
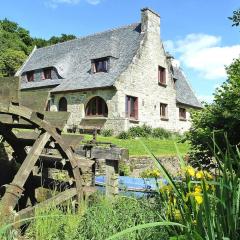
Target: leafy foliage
{"x":161,"y":133}
{"x":235,"y":18}
{"x":124,"y":135}
{"x":222,"y":116}
{"x":207,"y":206}
{"x":16,"y":44}
{"x":99,"y":220}
{"x":146,"y":131}
{"x":107,"y":132}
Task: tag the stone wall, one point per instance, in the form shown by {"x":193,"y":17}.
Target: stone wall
{"x":77,"y":102}
{"x":137,"y":165}
{"x":140,"y":80}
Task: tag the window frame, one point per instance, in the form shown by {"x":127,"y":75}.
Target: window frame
{"x":47,"y":71}
{"x":104,"y":61}
{"x":182,"y":114}
{"x":164,"y":106}
{"x":162,"y":79}
{"x":30,"y":76}
{"x":132,"y":107}
{"x":99,"y":105}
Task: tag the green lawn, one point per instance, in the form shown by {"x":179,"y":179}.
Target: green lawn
{"x":158,"y":146}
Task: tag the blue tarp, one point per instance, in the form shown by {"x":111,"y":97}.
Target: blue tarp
{"x":135,"y":184}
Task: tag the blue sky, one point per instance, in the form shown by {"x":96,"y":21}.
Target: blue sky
{"x":196,"y":32}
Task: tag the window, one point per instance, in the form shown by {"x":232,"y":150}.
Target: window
{"x":47,"y":73}
{"x":132,"y":107}
{"x":30,"y":76}
{"x":163,"y":111}
{"x":182,"y":114}
{"x":96,"y":107}
{"x":62,"y":106}
{"x":100,"y":65}
{"x":161,"y":75}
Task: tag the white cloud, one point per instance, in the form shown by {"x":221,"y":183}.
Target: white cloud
{"x":56,"y":3}
{"x":204,"y":54}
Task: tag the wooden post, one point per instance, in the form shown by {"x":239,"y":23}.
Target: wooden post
{"x":112,"y":173}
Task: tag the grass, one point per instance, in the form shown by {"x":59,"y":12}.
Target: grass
{"x":97,"y":220}
{"x":158,"y":147}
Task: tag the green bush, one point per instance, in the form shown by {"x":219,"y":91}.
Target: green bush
{"x":107,"y":132}
{"x":146,"y":131}
{"x":161,"y":133}
{"x":140,"y":131}
{"x":124,"y":135}
{"x":216,"y":119}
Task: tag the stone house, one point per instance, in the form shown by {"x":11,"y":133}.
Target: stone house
{"x":113,"y":80}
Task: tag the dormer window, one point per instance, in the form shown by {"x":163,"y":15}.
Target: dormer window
{"x":47,"y":73}
{"x":30,"y":76}
{"x":100,"y":65}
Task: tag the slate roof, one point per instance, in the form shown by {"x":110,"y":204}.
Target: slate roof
{"x":185,"y":94}
{"x":73,"y":58}
{"x":45,"y":83}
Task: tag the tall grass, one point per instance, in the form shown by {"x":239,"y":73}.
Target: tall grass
{"x":96,"y":220}
{"x":207,"y":206}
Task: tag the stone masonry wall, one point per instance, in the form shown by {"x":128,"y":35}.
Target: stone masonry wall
{"x":137,"y":165}
{"x":76,"y":106}
{"x":140,"y":80}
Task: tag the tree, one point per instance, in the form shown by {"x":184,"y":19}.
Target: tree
{"x":16,"y":44}
{"x":10,"y":61}
{"x":62,"y":38}
{"x":235,"y":18}
{"x":218,"y":119}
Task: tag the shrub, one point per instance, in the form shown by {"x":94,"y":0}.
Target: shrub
{"x":140,"y":131}
{"x":107,"y":132}
{"x":161,"y":133}
{"x":124,"y":135}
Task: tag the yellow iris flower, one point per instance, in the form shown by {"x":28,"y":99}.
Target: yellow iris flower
{"x":190,"y":171}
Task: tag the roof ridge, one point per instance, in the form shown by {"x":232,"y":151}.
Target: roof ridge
{"x":91,"y":35}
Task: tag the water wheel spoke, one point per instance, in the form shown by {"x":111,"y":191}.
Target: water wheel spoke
{"x":15,"y":189}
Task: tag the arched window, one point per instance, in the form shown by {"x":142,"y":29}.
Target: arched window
{"x":96,"y":107}
{"x":62,"y":106}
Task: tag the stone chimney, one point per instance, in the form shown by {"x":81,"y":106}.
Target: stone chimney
{"x":150,"y":22}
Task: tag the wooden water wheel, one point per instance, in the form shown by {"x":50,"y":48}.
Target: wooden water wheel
{"x":31,"y":134}
{"x":38,"y":145}
{"x":24,"y":183}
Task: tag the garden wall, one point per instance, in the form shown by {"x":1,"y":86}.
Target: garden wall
{"x":134,"y":166}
